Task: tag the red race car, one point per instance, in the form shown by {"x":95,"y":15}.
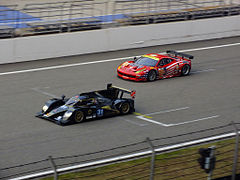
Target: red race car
{"x":154,"y":66}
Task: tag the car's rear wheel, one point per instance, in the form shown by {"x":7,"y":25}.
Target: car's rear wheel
{"x":185,"y":70}
{"x":125,"y":108}
{"x":79,"y":116}
{"x":152,"y":75}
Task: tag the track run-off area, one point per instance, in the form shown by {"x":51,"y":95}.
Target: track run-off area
{"x":208,"y":97}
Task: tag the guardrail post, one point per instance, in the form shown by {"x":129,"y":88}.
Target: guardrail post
{"x":54,"y":167}
{"x":152,"y":159}
{"x":211,"y":156}
{"x":235,"y":153}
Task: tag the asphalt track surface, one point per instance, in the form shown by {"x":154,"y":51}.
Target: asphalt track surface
{"x":208,"y":97}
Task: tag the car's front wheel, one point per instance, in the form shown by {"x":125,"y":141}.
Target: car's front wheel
{"x":185,"y":70}
{"x":79,"y":116}
{"x":152,"y":75}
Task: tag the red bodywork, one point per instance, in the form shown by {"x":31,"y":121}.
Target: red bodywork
{"x":166,"y":67}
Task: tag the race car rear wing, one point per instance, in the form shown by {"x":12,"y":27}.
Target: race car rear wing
{"x":122,"y":90}
{"x":183,"y":55}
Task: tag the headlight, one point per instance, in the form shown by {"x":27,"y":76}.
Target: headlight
{"x":45,"y":108}
{"x":67,"y":114}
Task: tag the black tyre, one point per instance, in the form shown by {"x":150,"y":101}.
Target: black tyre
{"x":125,"y":108}
{"x":185,"y":70}
{"x":152,"y":75}
{"x":79,"y":116}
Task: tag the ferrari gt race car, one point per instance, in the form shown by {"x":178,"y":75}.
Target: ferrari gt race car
{"x":90,"y":105}
{"x":154,"y":66}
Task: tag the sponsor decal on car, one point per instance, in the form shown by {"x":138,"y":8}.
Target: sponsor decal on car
{"x":151,"y":57}
{"x":89,"y":112}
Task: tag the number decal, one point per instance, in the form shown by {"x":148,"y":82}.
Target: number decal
{"x":100,"y":112}
{"x":161,"y":72}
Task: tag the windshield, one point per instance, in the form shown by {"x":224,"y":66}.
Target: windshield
{"x":145,"y":61}
{"x":75,"y":99}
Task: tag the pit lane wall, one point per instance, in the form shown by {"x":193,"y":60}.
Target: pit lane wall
{"x":75,"y":43}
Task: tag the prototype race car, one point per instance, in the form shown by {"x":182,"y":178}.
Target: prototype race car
{"x":90,"y":105}
{"x":154,"y":66}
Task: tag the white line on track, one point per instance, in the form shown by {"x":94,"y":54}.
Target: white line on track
{"x":108,"y":60}
{"x":152,"y":121}
{"x":135,"y":123}
{"x":45,"y":93}
{"x":177,"y":124}
{"x":196,"y":120}
{"x":62,"y":66}
{"x":210,"y":47}
{"x":205,"y":70}
{"x":166,"y":111}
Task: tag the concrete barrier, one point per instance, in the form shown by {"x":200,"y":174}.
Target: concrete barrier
{"x":75,"y":43}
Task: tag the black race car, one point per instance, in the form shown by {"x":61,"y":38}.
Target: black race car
{"x":90,"y":105}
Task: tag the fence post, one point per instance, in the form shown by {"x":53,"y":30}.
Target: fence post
{"x":212,"y":155}
{"x":54,"y":167}
{"x":152,"y":159}
{"x":236,"y":152}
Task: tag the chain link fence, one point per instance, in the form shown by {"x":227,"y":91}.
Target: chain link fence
{"x":160,"y":158}
{"x":67,"y":16}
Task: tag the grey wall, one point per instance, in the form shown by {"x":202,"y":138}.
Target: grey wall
{"x":66,"y":44}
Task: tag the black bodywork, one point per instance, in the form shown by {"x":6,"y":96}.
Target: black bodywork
{"x":90,"y":105}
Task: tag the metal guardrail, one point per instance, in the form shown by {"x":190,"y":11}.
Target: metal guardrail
{"x":78,"y":15}
{"x":144,"y":148}
{"x":34,"y":19}
{"x":125,"y":157}
{"x":179,"y":15}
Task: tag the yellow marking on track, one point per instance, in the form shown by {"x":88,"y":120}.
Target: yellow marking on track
{"x":147,"y":116}
{"x":139,"y":114}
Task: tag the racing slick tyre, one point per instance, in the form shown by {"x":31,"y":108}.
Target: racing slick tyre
{"x":152,"y":75}
{"x":79,"y":117}
{"x":185,"y":70}
{"x":125,"y":108}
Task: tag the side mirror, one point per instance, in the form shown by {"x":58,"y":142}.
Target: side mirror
{"x":63,"y":97}
{"x":135,"y":58}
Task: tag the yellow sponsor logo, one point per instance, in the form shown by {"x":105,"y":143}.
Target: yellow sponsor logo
{"x":107,"y":107}
{"x":151,"y":57}
{"x":89,"y":111}
{"x":140,"y":70}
